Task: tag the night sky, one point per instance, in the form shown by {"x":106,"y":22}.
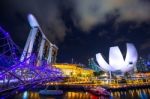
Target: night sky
{"x":81,"y":28}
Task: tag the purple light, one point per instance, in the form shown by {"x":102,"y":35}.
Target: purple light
{"x":22,"y":73}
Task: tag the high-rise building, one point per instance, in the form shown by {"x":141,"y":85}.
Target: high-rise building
{"x":93,"y":65}
{"x":141,"y":66}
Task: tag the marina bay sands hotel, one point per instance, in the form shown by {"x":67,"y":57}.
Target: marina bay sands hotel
{"x":38,"y":44}
{"x":45,"y":51}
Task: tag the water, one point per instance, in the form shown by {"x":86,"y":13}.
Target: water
{"x":67,"y":95}
{"x":130,"y":94}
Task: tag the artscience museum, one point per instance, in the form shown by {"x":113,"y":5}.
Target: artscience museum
{"x":116,"y":60}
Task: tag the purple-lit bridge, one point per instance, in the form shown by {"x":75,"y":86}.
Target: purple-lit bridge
{"x":32,"y":65}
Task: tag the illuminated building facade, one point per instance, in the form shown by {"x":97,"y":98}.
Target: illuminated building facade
{"x":74,"y":70}
{"x":38,"y":44}
{"x":93,"y":65}
{"x":116,"y":60}
{"x":141,"y":66}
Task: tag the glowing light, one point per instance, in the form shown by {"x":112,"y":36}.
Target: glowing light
{"x":115,"y":58}
{"x":103,"y":64}
{"x":32,"y":21}
{"x":116,"y":61}
{"x":25,"y":95}
{"x":73,"y":70}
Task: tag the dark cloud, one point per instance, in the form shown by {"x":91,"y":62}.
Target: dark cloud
{"x":82,"y":26}
{"x":85,"y":14}
{"x":121,"y":40}
{"x":102,"y":33}
{"x":47,"y":13}
{"x":92,"y":12}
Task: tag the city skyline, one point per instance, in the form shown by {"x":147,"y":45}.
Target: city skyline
{"x":79,"y":33}
{"x":71,"y":49}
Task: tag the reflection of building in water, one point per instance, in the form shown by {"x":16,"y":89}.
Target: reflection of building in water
{"x":129,"y":94}
{"x":80,"y":95}
{"x":132,"y":94}
{"x":67,"y":95}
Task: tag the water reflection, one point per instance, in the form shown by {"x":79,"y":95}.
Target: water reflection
{"x":25,"y":95}
{"x":67,"y":95}
{"x":130,"y":94}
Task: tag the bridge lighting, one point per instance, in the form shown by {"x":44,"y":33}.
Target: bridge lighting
{"x":19,"y":73}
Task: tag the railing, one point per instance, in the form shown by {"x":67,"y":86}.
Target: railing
{"x":21,"y":73}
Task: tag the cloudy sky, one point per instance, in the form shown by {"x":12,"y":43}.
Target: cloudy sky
{"x":81,"y":28}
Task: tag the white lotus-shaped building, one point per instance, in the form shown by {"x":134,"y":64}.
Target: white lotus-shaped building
{"x":116,"y":60}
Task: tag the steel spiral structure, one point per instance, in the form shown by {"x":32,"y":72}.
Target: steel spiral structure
{"x":15,"y":73}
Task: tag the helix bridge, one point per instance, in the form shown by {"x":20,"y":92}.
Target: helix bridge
{"x":28,"y":67}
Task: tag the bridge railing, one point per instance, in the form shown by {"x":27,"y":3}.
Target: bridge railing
{"x":24,"y":73}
